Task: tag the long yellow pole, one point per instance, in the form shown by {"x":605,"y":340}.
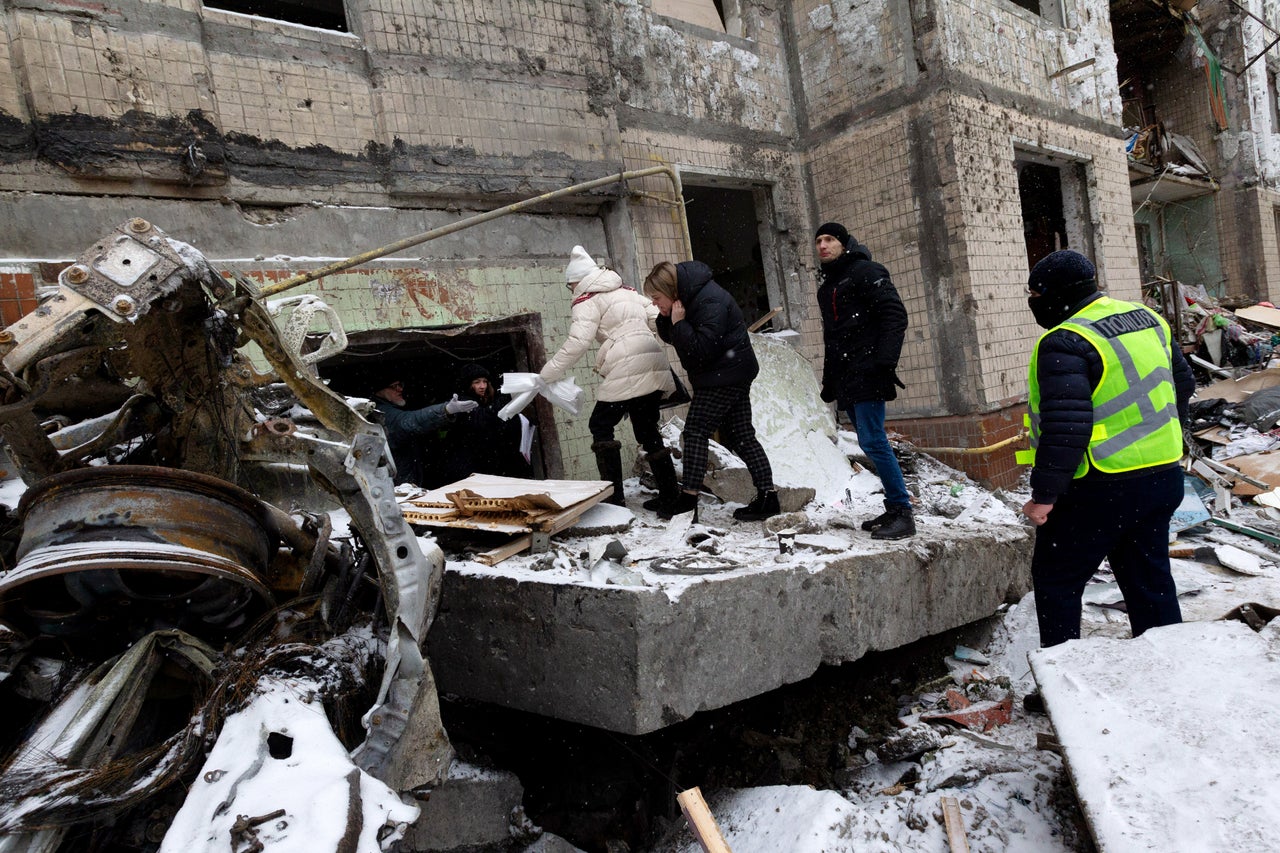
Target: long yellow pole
{"x":471,"y":221}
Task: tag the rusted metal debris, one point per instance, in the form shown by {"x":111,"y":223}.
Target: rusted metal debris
{"x":173,"y":503}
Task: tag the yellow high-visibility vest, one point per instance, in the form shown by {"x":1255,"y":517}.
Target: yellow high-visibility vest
{"x":1135,"y":408}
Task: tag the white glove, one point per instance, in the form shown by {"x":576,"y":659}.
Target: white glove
{"x":456,"y":406}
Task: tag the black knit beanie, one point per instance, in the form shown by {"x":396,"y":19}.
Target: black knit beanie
{"x":469,"y":373}
{"x":834,"y":229}
{"x":1063,"y":279}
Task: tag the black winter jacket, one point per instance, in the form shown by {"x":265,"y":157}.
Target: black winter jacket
{"x":1069,"y":369}
{"x":712,"y":340}
{"x":863,"y":326}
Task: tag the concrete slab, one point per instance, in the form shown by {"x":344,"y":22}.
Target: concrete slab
{"x":1171,"y":739}
{"x":721,"y":616}
{"x":475,"y":807}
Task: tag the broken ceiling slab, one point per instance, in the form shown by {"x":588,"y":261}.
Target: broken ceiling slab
{"x":794,"y":426}
{"x":636,"y":658}
{"x":1154,"y":765}
{"x":1148,"y":185}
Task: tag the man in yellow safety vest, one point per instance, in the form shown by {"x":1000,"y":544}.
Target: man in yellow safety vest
{"x":1108,"y":394}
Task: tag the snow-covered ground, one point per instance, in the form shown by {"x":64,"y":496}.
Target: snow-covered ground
{"x":1014,"y":796}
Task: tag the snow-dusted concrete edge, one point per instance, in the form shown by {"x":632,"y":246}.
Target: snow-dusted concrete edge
{"x":634,"y":659}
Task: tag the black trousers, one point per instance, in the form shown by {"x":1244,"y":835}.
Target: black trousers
{"x":1124,"y":520}
{"x":643,"y":412}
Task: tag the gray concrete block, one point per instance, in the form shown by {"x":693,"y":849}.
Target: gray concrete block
{"x":474,"y":808}
{"x":633,"y":659}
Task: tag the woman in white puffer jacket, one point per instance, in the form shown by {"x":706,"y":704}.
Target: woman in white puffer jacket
{"x":633,"y":367}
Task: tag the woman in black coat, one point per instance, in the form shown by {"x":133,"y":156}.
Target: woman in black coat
{"x":705,"y":325}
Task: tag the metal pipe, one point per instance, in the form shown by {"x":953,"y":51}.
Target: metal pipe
{"x":479,"y":218}
{"x":973,"y":451}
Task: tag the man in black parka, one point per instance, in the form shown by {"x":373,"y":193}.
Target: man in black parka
{"x":863,"y":326}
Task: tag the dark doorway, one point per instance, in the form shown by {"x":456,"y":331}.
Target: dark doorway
{"x":724,"y":227}
{"x":1043,"y":225}
{"x":429,"y":362}
{"x":323,"y":14}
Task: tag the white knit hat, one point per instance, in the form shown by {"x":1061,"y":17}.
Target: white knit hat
{"x":580,"y":265}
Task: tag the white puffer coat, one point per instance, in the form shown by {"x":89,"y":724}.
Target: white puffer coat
{"x":631,"y":361}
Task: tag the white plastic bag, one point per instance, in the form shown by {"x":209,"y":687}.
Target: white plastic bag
{"x":523,"y":387}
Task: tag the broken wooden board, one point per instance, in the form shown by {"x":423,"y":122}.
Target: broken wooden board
{"x":1184,"y":757}
{"x":1263,"y":467}
{"x":1239,"y":390}
{"x":1215,"y":435}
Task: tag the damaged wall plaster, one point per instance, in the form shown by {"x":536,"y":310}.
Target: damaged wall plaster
{"x":663,"y":70}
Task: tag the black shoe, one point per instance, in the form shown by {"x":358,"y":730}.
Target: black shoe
{"x":878,"y":521}
{"x":764,"y":506}
{"x":683,"y":503}
{"x":900,"y":526}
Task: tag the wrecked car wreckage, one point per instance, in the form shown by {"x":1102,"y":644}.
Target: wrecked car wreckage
{"x":165,"y":572}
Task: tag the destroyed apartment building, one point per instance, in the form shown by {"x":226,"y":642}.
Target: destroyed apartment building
{"x":225,"y":220}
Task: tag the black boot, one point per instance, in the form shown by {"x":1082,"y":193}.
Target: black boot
{"x":609,"y":462}
{"x":880,"y":520}
{"x":900,"y":526}
{"x":764,"y":506}
{"x":684,"y":502}
{"x":664,"y":474}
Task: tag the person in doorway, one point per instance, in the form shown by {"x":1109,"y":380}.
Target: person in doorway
{"x":1109,"y":390}
{"x":863,"y":326}
{"x":634,"y":372}
{"x":408,"y":430}
{"x":479,"y":441}
{"x":706,"y":327}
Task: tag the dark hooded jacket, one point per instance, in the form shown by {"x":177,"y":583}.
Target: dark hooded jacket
{"x":712,"y":340}
{"x":1069,"y":370}
{"x":863,"y":326}
{"x":479,"y":441}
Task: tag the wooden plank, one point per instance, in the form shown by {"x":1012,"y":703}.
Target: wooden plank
{"x":569,"y":517}
{"x":701,"y":821}
{"x":955,"y":825}
{"x":496,"y":555}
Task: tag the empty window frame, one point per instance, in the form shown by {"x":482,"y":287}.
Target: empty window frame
{"x":321,"y":14}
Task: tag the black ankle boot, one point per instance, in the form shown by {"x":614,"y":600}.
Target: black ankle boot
{"x":879,"y":521}
{"x":683,"y":503}
{"x":764,"y":506}
{"x":900,"y":526}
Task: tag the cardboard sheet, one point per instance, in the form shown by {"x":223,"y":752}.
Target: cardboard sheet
{"x":1260,"y":314}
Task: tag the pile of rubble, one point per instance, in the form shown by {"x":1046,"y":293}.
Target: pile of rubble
{"x":213,"y":609}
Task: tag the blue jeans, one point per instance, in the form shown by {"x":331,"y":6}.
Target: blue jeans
{"x":868,"y":420}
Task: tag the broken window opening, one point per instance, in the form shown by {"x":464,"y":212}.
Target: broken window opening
{"x":1182,"y":240}
{"x":722,"y":16}
{"x":1050,"y":10}
{"x":1055,"y":206}
{"x":725,"y":228}
{"x":321,"y":14}
{"x":1273,"y":93}
{"x":429,"y":363}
